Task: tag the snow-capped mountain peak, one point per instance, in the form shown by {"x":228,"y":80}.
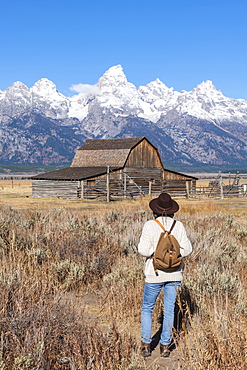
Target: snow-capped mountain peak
{"x":18,"y":89}
{"x":206,"y":85}
{"x":44,"y":87}
{"x":207,"y":88}
{"x":18,"y":85}
{"x":46,"y":97}
{"x":156,"y":99}
{"x":15,"y":100}
{"x":117,"y":95}
{"x":113,"y":76}
{"x":156,"y":90}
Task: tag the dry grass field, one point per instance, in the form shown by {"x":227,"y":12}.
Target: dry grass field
{"x":18,"y":194}
{"x":71,"y":284}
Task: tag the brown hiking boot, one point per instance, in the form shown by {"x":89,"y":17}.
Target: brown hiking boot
{"x":145,"y":349}
{"x":164,"y":350}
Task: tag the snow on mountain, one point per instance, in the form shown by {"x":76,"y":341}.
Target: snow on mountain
{"x":45,"y":88}
{"x":199,"y":125}
{"x":45,"y":97}
{"x":15,"y":100}
{"x":42,"y":97}
{"x":79,"y":104}
{"x":156,"y":99}
{"x":119,"y":97}
{"x":78,"y":107}
{"x":115,"y":95}
{"x":206,"y":102}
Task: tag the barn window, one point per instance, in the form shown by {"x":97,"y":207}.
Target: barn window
{"x":90,"y":182}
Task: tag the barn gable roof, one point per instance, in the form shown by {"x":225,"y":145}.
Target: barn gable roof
{"x":108,"y":144}
{"x":106,"y":152}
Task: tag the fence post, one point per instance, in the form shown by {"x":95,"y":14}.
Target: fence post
{"x":187,"y":189}
{"x":125,"y":185}
{"x":78,"y":189}
{"x":82,"y":189}
{"x":221,"y":188}
{"x":108,"y":184}
{"x":150,"y":187}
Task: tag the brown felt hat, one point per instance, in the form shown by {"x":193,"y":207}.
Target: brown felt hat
{"x":164,"y":204}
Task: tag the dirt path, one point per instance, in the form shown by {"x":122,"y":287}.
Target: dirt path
{"x":155,"y":362}
{"x":94,"y":311}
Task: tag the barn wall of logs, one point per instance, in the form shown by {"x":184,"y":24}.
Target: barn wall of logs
{"x":129,"y":182}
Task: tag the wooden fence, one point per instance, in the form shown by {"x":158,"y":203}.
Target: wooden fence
{"x":114,"y":187}
{"x":224,"y":191}
{"x":116,"y":191}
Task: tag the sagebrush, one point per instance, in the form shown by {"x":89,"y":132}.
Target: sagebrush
{"x":51,"y":259}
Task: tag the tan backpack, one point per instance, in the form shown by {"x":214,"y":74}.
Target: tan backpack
{"x":167,"y":255}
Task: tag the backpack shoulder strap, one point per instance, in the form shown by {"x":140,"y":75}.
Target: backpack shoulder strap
{"x":173,"y":224}
{"x":162,"y":227}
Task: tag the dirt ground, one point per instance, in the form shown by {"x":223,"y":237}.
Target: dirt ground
{"x":92,"y":306}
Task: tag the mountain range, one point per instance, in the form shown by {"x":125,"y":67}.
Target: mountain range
{"x":39,"y":125}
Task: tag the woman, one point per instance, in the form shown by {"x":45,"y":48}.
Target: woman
{"x":163,"y":209}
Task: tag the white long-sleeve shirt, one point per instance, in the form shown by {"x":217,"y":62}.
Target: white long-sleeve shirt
{"x":148,"y":242}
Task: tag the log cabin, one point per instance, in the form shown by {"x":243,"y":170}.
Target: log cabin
{"x":113,"y":169}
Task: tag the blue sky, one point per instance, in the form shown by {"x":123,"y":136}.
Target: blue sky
{"x":181,"y":42}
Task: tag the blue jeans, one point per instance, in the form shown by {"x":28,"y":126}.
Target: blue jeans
{"x":151,"y":292}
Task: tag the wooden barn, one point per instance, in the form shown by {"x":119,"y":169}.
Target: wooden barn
{"x":112,"y":169}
